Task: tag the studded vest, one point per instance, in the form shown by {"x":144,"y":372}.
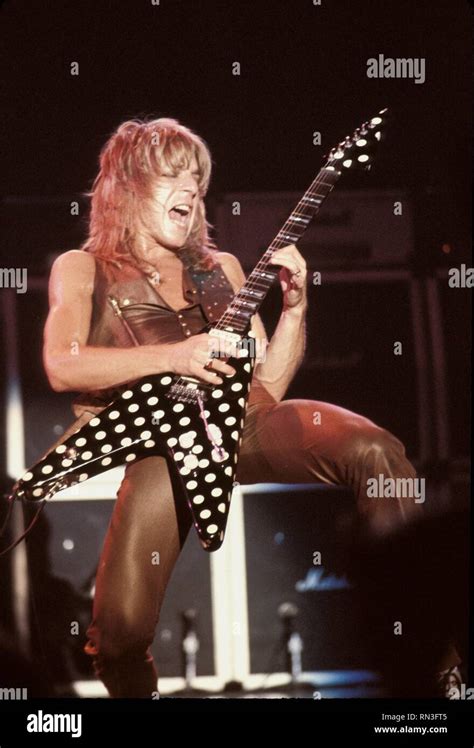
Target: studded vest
{"x":128,"y":310}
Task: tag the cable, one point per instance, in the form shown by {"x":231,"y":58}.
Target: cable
{"x":28,"y":529}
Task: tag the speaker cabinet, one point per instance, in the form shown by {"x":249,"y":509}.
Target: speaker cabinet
{"x":357,"y":228}
{"x":366,"y":351}
{"x":296,"y":555}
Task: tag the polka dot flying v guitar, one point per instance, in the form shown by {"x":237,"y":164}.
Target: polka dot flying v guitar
{"x":197,"y":426}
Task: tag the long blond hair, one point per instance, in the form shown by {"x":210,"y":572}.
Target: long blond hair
{"x":130,"y":161}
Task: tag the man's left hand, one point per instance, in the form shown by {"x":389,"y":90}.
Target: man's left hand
{"x":292,"y":276}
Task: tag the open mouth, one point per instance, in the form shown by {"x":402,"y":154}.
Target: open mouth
{"x":180,"y":214}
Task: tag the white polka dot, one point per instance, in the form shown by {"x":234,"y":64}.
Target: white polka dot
{"x":197,"y":449}
{"x":191,"y":461}
{"x":66,"y":463}
{"x":198,"y":499}
{"x":216,"y":492}
{"x":191,"y":484}
{"x":126,"y":441}
{"x":224,"y":407}
{"x":178,"y":407}
{"x":218,"y":456}
{"x":38,"y":492}
{"x":146,"y":387}
{"x":172,"y":442}
{"x":210,"y":477}
{"x":114,"y":414}
{"x":235,"y":435}
{"x":133,"y":408}
{"x":145,"y":435}
{"x":203,"y":463}
{"x":241,"y":402}
{"x":94,"y":422}
{"x":119,"y":428}
{"x":130,"y":457}
{"x":165,"y":427}
{"x":205,"y":514}
{"x":83,"y":476}
{"x":139,"y":421}
{"x":247,"y":367}
{"x":149,"y":443}
{"x":47,"y":469}
{"x":230,"y":421}
{"x":184,"y":471}
{"x":228,"y":471}
{"x":127,"y":394}
{"x":212,"y":529}
{"x":217,"y":393}
{"x":106,"y":461}
{"x":236,"y":386}
{"x":86,"y":455}
{"x":158,"y":414}
{"x":184,"y":421}
{"x":165,"y":380}
{"x":221,"y":508}
{"x":152,"y":401}
{"x":106,"y":448}
{"x":79,"y":443}
{"x":100,"y":435}
{"x":186,"y":440}
{"x":27,"y":476}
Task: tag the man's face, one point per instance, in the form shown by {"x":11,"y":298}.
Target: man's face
{"x":175,"y":198}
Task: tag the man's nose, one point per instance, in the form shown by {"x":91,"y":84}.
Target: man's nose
{"x":188,"y":182}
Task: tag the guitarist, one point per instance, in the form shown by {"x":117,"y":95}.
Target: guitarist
{"x":127,"y":305}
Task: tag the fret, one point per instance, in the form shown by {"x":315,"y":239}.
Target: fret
{"x":290,"y":237}
{"x":296,"y":219}
{"x":312,"y":200}
{"x":249,"y":304}
{"x":241,"y":309}
{"x":251,"y":292}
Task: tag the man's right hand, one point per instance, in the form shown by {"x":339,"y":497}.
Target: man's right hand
{"x":191,"y":356}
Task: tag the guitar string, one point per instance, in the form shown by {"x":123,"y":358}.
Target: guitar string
{"x":252,"y":283}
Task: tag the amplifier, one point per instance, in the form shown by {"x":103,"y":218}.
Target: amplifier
{"x":357,"y":228}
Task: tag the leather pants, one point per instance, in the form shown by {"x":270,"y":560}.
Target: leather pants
{"x":293,"y":441}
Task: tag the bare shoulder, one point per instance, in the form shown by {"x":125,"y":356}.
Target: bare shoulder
{"x":74,"y":269}
{"x":231,"y":266}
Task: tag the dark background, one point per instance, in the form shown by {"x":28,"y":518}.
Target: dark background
{"x":303,"y":69}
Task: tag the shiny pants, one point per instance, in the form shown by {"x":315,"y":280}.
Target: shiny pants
{"x":294,"y":441}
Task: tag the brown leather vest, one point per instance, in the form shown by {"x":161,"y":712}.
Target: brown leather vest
{"x":128,"y":310}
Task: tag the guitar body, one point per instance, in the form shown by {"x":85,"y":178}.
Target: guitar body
{"x":198,"y":427}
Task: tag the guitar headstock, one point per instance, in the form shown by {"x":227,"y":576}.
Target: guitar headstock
{"x":357,"y":150}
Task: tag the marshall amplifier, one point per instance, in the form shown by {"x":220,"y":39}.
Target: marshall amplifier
{"x":358,"y":228}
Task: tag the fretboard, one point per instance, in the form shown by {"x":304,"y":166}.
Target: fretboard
{"x":248,"y":299}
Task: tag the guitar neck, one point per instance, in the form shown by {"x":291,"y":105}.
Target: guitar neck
{"x":249,"y":298}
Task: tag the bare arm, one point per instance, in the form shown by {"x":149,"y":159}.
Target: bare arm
{"x":285,"y":351}
{"x":71,"y":364}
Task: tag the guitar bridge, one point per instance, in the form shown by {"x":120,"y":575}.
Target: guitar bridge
{"x":188,"y":390}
